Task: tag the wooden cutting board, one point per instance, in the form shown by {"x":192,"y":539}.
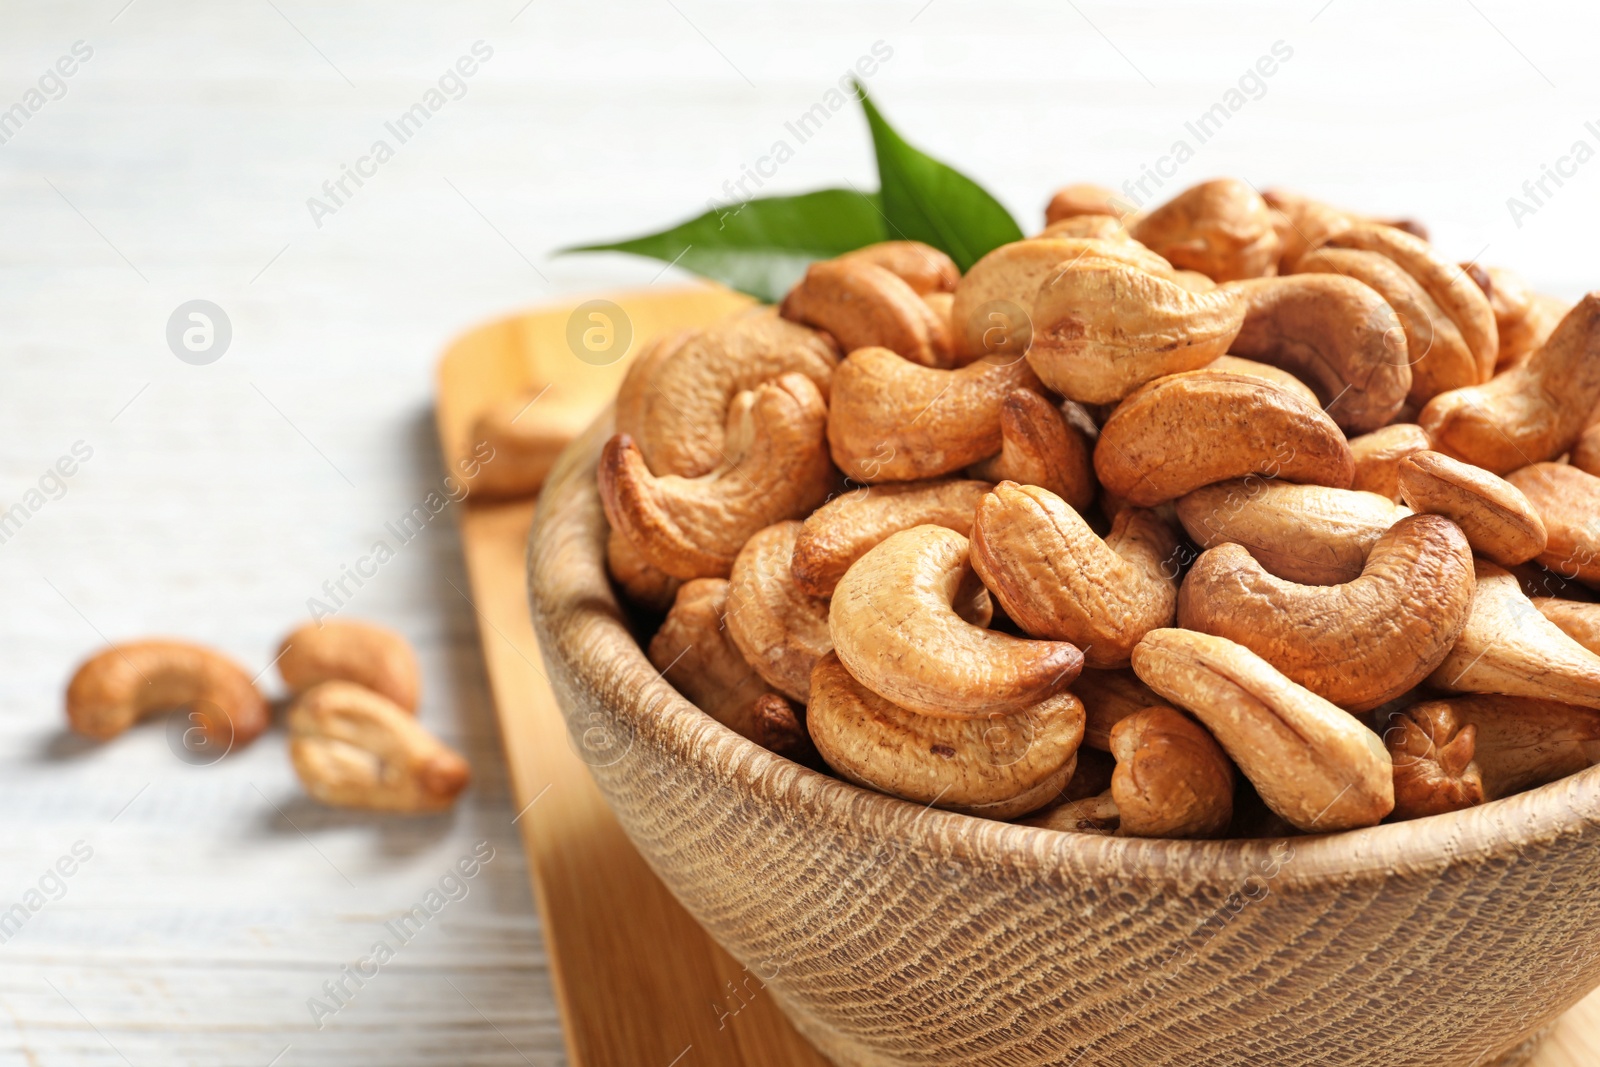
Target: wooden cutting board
{"x":639,"y":983}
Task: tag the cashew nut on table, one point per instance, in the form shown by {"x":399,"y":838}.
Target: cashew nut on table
{"x":1241,"y":515}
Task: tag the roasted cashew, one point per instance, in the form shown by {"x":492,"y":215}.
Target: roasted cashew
{"x":1432,"y":751}
{"x":781,"y":631}
{"x":1521,"y":742}
{"x":1085,"y":198}
{"x":1095,"y":226}
{"x":1578,"y":620}
{"x":694,"y":652}
{"x":1172,"y":778}
{"x":1568,"y":503}
{"x":1103,"y":327}
{"x":1038,"y":446}
{"x":675,"y":398}
{"x":1108,"y":698}
{"x":1302,"y":224}
{"x":522,"y":440}
{"x":1522,"y":318}
{"x":1091,"y":814}
{"x":1000,"y":766}
{"x":1440,"y":357}
{"x":1497,"y":519}
{"x":1314,"y":764}
{"x":1058,"y":580}
{"x":842,"y":530}
{"x":894,"y":625}
{"x":1585,"y":454}
{"x":923,"y":267}
{"x":1530,"y":413}
{"x":1378,"y":455}
{"x":862,"y":304}
{"x":1309,"y":534}
{"x":693,"y":527}
{"x":346,"y":650}
{"x":1188,"y":430}
{"x":640,"y":583}
{"x":1356,"y":645}
{"x":1221,"y":228}
{"x":893,"y":421}
{"x":118,"y":686}
{"x":353,"y":748}
{"x":1335,"y":334}
{"x":1276,"y":375}
{"x":1508,"y":647}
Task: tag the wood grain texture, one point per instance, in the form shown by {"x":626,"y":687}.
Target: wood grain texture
{"x":898,"y":935}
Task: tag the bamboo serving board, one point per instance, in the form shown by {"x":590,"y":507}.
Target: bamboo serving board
{"x":639,"y":984}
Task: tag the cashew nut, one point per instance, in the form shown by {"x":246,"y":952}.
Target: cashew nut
{"x":354,"y":748}
{"x":1085,"y":198}
{"x":1276,"y":375}
{"x":1313,"y":764}
{"x":1309,"y":534}
{"x":862,"y":304}
{"x":1497,"y":519}
{"x":1188,"y":430}
{"x":781,"y":631}
{"x":345,"y":650}
{"x":1108,"y":698}
{"x":1172,"y":778}
{"x":1378,"y":455}
{"x":842,"y":530}
{"x":1568,"y":503}
{"x":1335,"y":334}
{"x":1097,"y":227}
{"x":1302,"y":224}
{"x":1522,"y":318}
{"x":1530,"y":413}
{"x":1359,"y":644}
{"x":895,"y":627}
{"x":118,"y":686}
{"x":642,"y":584}
{"x":1102,"y":328}
{"x":1091,"y":814}
{"x":1220,"y":228}
{"x":1432,"y":751}
{"x":693,"y":527}
{"x":1585,"y":455}
{"x":1057,"y":579}
{"x":1508,"y":647}
{"x":674,"y":401}
{"x":1038,"y":446}
{"x":1000,"y":766}
{"x":923,"y":267}
{"x":522,"y":437}
{"x":1521,"y":742}
{"x":891,"y":420}
{"x":1578,"y":620}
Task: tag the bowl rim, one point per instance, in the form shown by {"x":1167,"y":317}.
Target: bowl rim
{"x":583,"y":628}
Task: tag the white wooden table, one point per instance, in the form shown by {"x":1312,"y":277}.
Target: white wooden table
{"x":176,"y":164}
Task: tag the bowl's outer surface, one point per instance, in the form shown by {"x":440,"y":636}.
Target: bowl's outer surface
{"x":894,"y":934}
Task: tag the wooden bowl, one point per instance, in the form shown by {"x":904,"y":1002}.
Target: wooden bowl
{"x":896,"y":934}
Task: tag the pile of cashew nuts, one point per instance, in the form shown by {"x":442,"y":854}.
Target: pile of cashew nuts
{"x":354,"y":739}
{"x":1245,"y":516}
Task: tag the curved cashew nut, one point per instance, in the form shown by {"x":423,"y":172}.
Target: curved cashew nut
{"x":1057,"y":579}
{"x":842,"y":530}
{"x":346,"y":650}
{"x":1568,"y":503}
{"x":1094,"y":226}
{"x":1378,"y":455}
{"x":923,"y":267}
{"x":1305,"y":224}
{"x":1309,"y":534}
{"x":1221,"y":228}
{"x":1276,"y":375}
{"x":1172,"y":778}
{"x":1432,"y":751}
{"x":1530,"y":413}
{"x":1334,"y":333}
{"x":1497,"y":519}
{"x":1085,"y":198}
{"x":895,"y":628}
{"x":1522,"y":742}
{"x":1356,"y":645}
{"x":675,"y":398}
{"x":693,"y":527}
{"x":781,"y":631}
{"x":1522,"y":318}
{"x":1000,"y":766}
{"x":641,"y":584}
{"x":1188,"y":430}
{"x":893,"y":421}
{"x":1038,"y":446}
{"x":862,"y":304}
{"x":1439,"y":355}
{"x":353,"y":748}
{"x":1576,"y":619}
{"x":1108,"y":698}
{"x":1102,"y":328}
{"x":1313,"y":764}
{"x":1447,"y":284}
{"x":695,"y":653}
{"x":1508,"y":647}
{"x":515,"y":443}
{"x":118,"y":686}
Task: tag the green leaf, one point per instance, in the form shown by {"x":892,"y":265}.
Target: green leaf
{"x":925,"y":200}
{"x":762,"y":246}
